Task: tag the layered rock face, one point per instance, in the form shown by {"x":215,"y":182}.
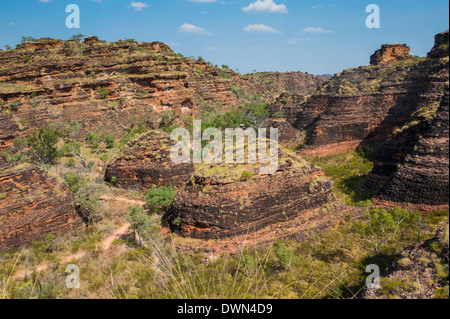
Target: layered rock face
{"x":367,"y":104}
{"x":105,"y":84}
{"x":440,"y":49}
{"x":282,"y":115}
{"x":33,"y":205}
{"x":272,"y":84}
{"x":228,"y":200}
{"x":390,"y":52}
{"x":413,"y":165}
{"x":108,"y":85}
{"x":145,"y":162}
{"x":9,"y":130}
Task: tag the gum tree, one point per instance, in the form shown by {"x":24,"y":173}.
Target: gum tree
{"x":380,"y":226}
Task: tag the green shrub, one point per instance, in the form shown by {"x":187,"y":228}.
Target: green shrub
{"x":278,"y":115}
{"x":75,"y":181}
{"x":177,"y":222}
{"x":247,"y":175}
{"x":104,"y":93}
{"x":285,"y":256}
{"x":14,"y":106}
{"x":17,"y":158}
{"x":25,"y":58}
{"x":110,"y":141}
{"x":90,"y":165}
{"x":160,"y":196}
{"x":167,"y":119}
{"x":225,"y":75}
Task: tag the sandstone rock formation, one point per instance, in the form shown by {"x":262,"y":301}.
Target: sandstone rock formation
{"x":228,"y":200}
{"x":440,"y":49}
{"x":272,"y":84}
{"x":367,"y":104}
{"x":145,"y":162}
{"x":413,"y":165}
{"x":282,"y":115}
{"x":33,"y":205}
{"x":108,"y":85}
{"x":390,"y":52}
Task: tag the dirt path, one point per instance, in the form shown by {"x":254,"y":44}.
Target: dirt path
{"x":122,"y":200}
{"x":105,"y":245}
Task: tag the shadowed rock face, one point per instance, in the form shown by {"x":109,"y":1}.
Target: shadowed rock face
{"x":413,"y":166}
{"x":33,"y":205}
{"x":145,"y":162}
{"x":224,"y":202}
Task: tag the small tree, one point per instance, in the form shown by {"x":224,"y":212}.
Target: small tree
{"x":50,"y":242}
{"x":27,"y":39}
{"x":78,"y":37}
{"x":381,"y":226}
{"x":140,"y":221}
{"x":43,"y":144}
{"x":88,"y":198}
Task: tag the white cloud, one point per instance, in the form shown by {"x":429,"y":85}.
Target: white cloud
{"x":202,"y":1}
{"x":260,"y":28}
{"x":190,"y":28}
{"x":316,"y":30}
{"x":138,"y":6}
{"x":266,"y":6}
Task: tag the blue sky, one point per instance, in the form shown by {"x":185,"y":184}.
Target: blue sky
{"x":315,"y":36}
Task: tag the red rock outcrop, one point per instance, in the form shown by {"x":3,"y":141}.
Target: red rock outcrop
{"x":145,"y":162}
{"x":108,"y":85}
{"x":390,"y":52}
{"x":33,"y":205}
{"x":227,"y":200}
